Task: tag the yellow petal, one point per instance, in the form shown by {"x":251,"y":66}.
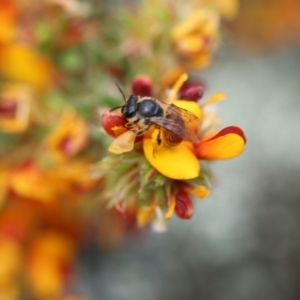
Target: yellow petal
{"x":215,"y":98}
{"x":190,"y":45}
{"x":176,"y":87}
{"x":201,"y":60}
{"x":226,"y":144}
{"x":200,"y":191}
{"x":118,"y":130}
{"x":193,"y":23}
{"x":191,"y":106}
{"x":171,"y":209}
{"x":123,"y":143}
{"x":177,"y":162}
{"x":145,"y":214}
{"x":179,"y":82}
{"x":170,"y":77}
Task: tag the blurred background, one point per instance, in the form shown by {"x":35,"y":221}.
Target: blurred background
{"x":242,"y":242}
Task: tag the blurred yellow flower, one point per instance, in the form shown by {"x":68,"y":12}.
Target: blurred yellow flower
{"x":49,"y":262}
{"x":69,"y":137}
{"x":8,"y":14}
{"x":30,"y":182}
{"x":51,"y":183}
{"x":10,"y":261}
{"x":74,"y":177}
{"x":21,"y":63}
{"x":195,"y":38}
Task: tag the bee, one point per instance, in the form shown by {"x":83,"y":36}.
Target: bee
{"x":142,"y":113}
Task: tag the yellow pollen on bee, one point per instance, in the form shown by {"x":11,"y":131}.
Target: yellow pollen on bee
{"x":157,"y":140}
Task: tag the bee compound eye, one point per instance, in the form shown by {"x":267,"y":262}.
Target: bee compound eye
{"x":128,"y":111}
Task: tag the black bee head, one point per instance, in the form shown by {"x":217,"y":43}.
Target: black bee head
{"x":129,"y":109}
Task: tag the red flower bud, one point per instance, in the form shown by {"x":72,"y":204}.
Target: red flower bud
{"x":142,"y":85}
{"x":112,"y":119}
{"x":193,"y":93}
{"x":184,"y":207}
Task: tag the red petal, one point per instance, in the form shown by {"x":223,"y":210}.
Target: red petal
{"x":142,"y":85}
{"x":111,"y":120}
{"x":229,"y":130}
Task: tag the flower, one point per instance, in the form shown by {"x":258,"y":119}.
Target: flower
{"x":165,"y":174}
{"x":30,"y":182}
{"x":22,"y":63}
{"x":10,"y":258}
{"x":195,"y":38}
{"x":69,"y":137}
{"x":51,"y":182}
{"x":8,"y":14}
{"x":49,"y":263}
{"x":224,"y":144}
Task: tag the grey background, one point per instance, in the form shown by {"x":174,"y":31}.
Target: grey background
{"x":243,"y":242}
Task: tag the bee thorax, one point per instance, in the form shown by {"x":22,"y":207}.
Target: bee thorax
{"x":149,"y":108}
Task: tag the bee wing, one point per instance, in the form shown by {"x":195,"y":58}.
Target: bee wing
{"x":177,"y":120}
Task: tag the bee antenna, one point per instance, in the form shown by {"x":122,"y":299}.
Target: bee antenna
{"x":115,"y":108}
{"x":119,"y":88}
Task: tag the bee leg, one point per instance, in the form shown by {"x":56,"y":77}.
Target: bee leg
{"x":147,"y":121}
{"x":142,"y":131}
{"x":131,"y":124}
